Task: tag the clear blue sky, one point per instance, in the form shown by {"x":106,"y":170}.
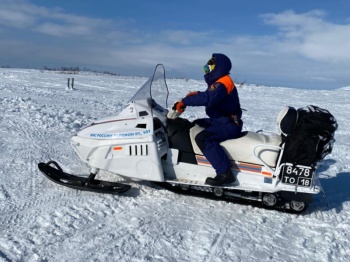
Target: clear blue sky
{"x":293,"y":43}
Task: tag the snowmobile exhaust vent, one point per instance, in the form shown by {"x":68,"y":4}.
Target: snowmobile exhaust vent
{"x":138,"y":150}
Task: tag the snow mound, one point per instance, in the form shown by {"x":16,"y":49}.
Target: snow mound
{"x":345,"y":88}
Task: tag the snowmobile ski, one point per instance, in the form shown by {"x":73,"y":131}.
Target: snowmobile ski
{"x":55,"y":173}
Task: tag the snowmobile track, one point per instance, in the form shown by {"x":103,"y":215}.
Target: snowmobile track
{"x":243,"y":201}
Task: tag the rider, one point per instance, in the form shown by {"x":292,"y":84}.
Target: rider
{"x":222,"y":105}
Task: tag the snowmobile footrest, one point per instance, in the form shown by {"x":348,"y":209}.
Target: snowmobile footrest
{"x":55,"y":173}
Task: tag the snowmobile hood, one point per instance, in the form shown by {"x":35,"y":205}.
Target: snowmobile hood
{"x":222,"y":67}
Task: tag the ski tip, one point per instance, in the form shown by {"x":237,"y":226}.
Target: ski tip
{"x":55,"y":173}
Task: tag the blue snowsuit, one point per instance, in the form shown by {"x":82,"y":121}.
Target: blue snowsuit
{"x":222,"y":105}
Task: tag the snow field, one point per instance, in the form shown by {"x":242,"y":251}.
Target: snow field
{"x":41,"y":221}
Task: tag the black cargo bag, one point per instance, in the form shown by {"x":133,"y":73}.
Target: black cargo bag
{"x":312,"y":138}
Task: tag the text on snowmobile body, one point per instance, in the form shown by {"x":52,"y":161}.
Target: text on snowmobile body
{"x":129,"y":134}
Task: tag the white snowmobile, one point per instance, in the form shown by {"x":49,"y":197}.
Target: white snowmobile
{"x":143,"y":143}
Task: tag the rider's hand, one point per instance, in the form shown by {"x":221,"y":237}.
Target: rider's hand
{"x":179,"y":107}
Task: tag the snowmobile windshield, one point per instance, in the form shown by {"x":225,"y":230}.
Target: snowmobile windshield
{"x":155,"y":88}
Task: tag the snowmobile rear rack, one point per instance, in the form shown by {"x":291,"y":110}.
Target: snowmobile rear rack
{"x":54,"y":172}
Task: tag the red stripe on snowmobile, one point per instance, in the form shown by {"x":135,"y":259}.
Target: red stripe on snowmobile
{"x":246,"y":167}
{"x":266,"y":173}
{"x":201,"y":160}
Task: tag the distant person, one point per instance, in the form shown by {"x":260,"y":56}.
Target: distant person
{"x":222,"y":105}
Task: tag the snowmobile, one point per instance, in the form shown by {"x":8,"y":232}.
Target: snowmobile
{"x":147,"y":141}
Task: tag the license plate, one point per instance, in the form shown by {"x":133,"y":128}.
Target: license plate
{"x":297,"y":175}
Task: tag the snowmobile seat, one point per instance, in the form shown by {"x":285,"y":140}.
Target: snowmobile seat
{"x":266,"y":147}
{"x":253,"y":147}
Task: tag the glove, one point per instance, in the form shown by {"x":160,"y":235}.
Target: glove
{"x":179,"y":107}
{"x":192,"y":93}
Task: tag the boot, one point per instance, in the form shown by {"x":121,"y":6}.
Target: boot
{"x":221,"y":179}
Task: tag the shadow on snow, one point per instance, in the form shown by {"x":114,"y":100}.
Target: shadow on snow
{"x":336,"y":189}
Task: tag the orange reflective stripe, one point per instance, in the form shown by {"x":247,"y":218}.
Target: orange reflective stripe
{"x":227,"y":82}
{"x":266,"y":173}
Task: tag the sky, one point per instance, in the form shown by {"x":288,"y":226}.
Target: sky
{"x":290,"y":43}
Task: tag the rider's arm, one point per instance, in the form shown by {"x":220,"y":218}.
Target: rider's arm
{"x":211,"y":96}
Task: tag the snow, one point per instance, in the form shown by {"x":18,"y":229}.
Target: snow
{"x":345,"y":88}
{"x":42,"y":221}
